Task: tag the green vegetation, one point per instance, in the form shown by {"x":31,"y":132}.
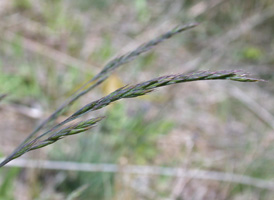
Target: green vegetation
{"x":201,"y":126}
{"x":7,"y":183}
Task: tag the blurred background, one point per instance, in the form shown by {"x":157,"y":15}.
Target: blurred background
{"x":203,"y":140}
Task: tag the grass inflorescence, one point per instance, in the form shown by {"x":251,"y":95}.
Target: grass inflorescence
{"x":67,"y":131}
{"x":129,"y":91}
{"x":104,"y":74}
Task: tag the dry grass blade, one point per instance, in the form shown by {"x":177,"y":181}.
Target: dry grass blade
{"x":145,"y":171}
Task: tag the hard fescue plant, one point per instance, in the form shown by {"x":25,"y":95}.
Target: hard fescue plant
{"x":57,"y":132}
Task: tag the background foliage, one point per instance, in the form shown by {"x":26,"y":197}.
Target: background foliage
{"x":48,"y":49}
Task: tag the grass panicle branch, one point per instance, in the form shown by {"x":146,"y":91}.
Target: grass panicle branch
{"x":105,"y":72}
{"x":148,"y":86}
{"x":67,"y":131}
{"x":113,"y":64}
{"x":124,"y":92}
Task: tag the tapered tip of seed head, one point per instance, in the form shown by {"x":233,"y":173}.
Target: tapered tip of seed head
{"x":91,"y":122}
{"x":193,"y":24}
{"x":241,"y":76}
{"x":186,"y":26}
